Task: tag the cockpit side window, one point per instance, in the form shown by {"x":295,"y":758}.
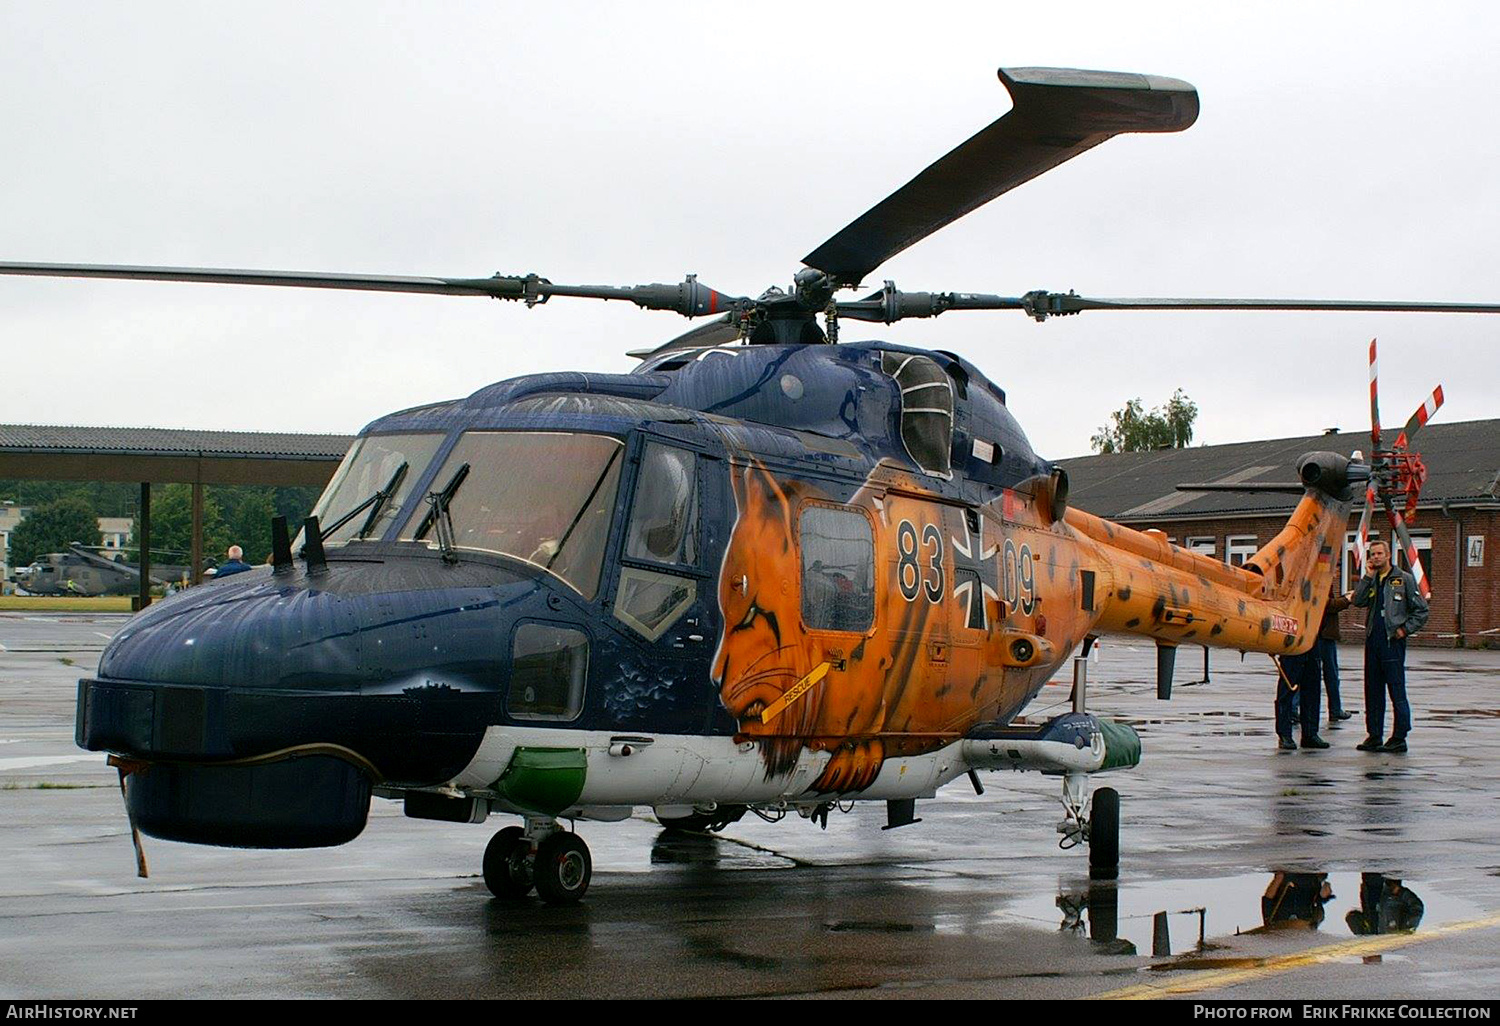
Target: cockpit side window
{"x":664,"y":518}
{"x":663,"y":531}
{"x":926,"y":410}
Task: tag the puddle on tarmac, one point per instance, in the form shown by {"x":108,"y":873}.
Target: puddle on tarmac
{"x":1176,"y":917}
{"x":1463,"y":714}
{"x":706,"y":851}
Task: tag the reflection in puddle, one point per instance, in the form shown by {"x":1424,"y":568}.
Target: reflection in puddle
{"x":700,"y":852}
{"x":1385,"y":906}
{"x":1166,"y":917}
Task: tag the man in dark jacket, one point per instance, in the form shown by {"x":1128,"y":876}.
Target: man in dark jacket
{"x":1298,"y":680}
{"x":234,"y":565}
{"x":1327,"y":650}
{"x":1395,"y":610}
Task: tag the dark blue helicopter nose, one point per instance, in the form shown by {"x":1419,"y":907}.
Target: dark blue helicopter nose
{"x":265,"y":691}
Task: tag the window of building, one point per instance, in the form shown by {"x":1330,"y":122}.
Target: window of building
{"x":1204,"y":545}
{"x":838,"y":569}
{"x":1349,"y":562}
{"x":1421,"y":540}
{"x":549,"y":667}
{"x":1238,"y":548}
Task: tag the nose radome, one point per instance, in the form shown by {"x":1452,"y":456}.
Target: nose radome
{"x":404,"y":679}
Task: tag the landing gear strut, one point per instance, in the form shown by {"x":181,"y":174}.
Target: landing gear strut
{"x":543,"y":855}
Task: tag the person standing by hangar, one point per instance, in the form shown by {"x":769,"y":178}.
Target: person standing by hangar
{"x":1395,"y":610}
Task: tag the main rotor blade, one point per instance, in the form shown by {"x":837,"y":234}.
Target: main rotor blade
{"x":890,"y":305}
{"x":1058,"y":114}
{"x":1056,"y":304}
{"x":689,"y":297}
{"x":1375,"y":433}
{"x":294,"y":279}
{"x":717,"y":332}
{"x":1276,"y":487}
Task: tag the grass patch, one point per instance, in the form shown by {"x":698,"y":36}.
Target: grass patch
{"x":64,"y":604}
{"x":47,"y":785}
{"x":65,"y":660}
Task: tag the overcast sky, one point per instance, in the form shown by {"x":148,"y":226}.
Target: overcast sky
{"x":1343,"y":150}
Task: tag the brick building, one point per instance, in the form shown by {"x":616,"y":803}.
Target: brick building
{"x":1456,"y":528}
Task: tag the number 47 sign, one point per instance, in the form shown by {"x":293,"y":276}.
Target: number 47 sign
{"x":1476,"y":550}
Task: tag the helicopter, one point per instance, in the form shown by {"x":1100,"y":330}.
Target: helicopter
{"x":770,"y":571}
{"x":84,"y":572}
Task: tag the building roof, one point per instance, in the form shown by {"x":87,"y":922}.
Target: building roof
{"x":1463,"y":465}
{"x":133,"y":441}
{"x":48,"y":452}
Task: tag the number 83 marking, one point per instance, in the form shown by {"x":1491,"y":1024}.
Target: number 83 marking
{"x":911,"y":575}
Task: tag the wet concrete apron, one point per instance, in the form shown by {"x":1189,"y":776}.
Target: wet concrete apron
{"x":1245,"y":872}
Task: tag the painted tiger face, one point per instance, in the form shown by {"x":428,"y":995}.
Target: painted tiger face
{"x":761,"y":653}
{"x":790,"y":688}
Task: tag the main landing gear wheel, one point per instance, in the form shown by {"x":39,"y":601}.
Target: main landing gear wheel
{"x":563,"y":868}
{"x":507,"y":864}
{"x":1104,"y":835}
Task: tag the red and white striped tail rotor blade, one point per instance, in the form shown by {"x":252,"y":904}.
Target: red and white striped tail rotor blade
{"x":1374,"y":404}
{"x":1412,"y":562}
{"x":1362,"y":536}
{"x":1420,"y":418}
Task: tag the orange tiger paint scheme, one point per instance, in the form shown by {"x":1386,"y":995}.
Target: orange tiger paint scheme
{"x":920,"y":677}
{"x":915,"y":681}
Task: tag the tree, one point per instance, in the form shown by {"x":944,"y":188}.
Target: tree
{"x":1131,"y":429}
{"x":52,"y":527}
{"x":172,"y":526}
{"x":247,"y":520}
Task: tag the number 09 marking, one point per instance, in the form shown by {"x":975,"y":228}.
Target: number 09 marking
{"x":1019,"y":578}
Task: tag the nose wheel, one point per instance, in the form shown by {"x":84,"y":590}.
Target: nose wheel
{"x":557,"y":864}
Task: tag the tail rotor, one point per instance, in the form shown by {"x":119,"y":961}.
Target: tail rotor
{"x":1396,"y":477}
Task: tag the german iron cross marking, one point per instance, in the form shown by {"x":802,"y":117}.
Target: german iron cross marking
{"x":976,"y":574}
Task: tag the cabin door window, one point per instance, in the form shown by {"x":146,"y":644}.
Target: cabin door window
{"x":838,"y":570}
{"x":549,"y":666}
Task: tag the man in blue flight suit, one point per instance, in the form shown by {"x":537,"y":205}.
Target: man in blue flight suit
{"x":1395,"y":611}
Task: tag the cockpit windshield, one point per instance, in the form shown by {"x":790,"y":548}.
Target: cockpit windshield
{"x":543,"y":497}
{"x":372,"y":466}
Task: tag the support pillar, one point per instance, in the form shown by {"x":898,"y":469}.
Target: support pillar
{"x":197,"y":554}
{"x":144,"y":544}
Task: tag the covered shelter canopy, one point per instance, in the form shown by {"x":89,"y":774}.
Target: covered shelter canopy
{"x":168,"y":456}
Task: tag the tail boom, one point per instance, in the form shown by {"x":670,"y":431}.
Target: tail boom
{"x":1274,"y":603}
